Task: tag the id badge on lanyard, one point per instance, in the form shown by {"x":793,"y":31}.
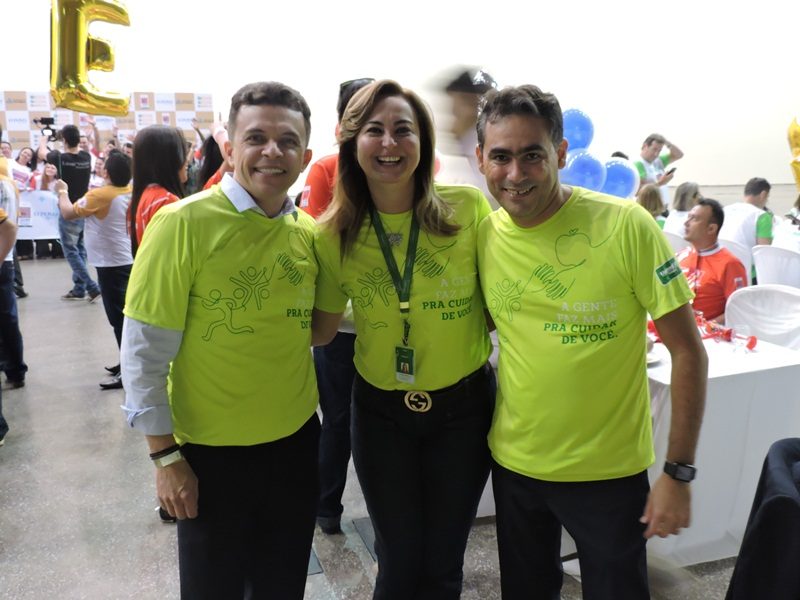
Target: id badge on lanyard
{"x":404,"y":364}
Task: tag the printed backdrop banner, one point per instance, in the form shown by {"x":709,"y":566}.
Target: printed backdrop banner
{"x":38,"y":216}
{"x":19,"y":109}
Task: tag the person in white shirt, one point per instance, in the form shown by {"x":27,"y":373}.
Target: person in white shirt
{"x":460,"y":166}
{"x":749,"y":222}
{"x":98,"y":178}
{"x":22,"y":168}
{"x":652,"y":164}
{"x":687,"y":195}
{"x":108,"y":247}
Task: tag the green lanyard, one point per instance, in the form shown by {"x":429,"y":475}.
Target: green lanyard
{"x":401,"y":286}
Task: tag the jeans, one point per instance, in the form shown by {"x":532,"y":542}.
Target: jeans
{"x":71,"y":233}
{"x":10,"y":335}
{"x":422,"y":474}
{"x":256,"y":508}
{"x":19,"y":282}
{"x":335,"y":372}
{"x":113,"y":285}
{"x":601,"y":516}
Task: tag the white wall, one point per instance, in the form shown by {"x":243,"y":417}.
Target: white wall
{"x":721,"y":80}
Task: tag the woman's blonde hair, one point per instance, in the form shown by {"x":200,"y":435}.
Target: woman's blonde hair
{"x":686,"y":196}
{"x":649,"y":197}
{"x":352,"y":198}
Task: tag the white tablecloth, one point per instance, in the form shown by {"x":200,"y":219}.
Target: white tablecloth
{"x":752,"y":401}
{"x":786,"y":235}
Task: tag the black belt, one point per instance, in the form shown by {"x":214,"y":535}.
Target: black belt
{"x":420,"y":401}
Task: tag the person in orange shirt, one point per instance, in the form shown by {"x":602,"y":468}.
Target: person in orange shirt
{"x":160,"y":164}
{"x":713,"y":272}
{"x":333,"y":363}
{"x":321,"y":179}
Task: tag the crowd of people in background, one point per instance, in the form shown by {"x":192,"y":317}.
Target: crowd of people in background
{"x":397,"y":285}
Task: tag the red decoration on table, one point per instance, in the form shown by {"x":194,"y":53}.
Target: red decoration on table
{"x":709,"y":329}
{"x":720,"y":332}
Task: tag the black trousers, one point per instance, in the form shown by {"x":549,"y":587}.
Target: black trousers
{"x":256,"y":514}
{"x":10,"y":335}
{"x":335,"y":373}
{"x":113,"y":282}
{"x":601,"y":516}
{"x":422,"y":475}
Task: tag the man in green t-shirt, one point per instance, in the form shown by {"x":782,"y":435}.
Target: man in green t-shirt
{"x":569,"y":277}
{"x":216,"y":362}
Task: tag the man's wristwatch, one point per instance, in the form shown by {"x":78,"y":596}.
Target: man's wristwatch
{"x":680,"y":471}
{"x":169,"y":459}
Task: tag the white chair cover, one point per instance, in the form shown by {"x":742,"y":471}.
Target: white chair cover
{"x":677,"y":242}
{"x":772,"y":311}
{"x":741,"y":252}
{"x":777,"y":265}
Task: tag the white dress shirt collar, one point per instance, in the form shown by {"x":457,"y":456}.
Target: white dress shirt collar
{"x":242,"y":200}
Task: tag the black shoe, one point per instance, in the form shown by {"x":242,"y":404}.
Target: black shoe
{"x":14,"y":384}
{"x":115,"y":383}
{"x":113,"y":370}
{"x":330,"y":525}
{"x":71,"y":295}
{"x":165,"y":516}
{"x":20,"y":292}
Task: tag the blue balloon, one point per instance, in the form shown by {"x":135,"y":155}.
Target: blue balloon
{"x":584,"y":170}
{"x":622,"y":178}
{"x":578,"y":129}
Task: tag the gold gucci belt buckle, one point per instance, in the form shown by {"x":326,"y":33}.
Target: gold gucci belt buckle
{"x":418,"y":401}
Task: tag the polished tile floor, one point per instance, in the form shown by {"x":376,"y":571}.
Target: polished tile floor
{"x":77,"y":516}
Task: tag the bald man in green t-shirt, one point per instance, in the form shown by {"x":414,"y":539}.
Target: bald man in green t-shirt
{"x":569,"y":276}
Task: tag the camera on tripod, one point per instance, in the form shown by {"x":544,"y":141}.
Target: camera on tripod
{"x":46,"y":123}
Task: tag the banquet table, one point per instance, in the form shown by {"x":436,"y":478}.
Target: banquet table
{"x":752,"y":401}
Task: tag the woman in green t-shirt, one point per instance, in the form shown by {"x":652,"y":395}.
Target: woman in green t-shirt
{"x":403,"y":250}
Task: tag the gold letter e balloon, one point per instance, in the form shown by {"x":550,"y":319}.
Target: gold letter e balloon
{"x":73,"y":53}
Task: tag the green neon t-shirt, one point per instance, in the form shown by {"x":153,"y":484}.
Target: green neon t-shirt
{"x":570,"y":299}
{"x":448,"y":328}
{"x":241,"y":288}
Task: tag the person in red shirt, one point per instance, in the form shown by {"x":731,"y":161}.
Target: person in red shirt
{"x":321,"y":179}
{"x":159,"y":172}
{"x":713,"y":272}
